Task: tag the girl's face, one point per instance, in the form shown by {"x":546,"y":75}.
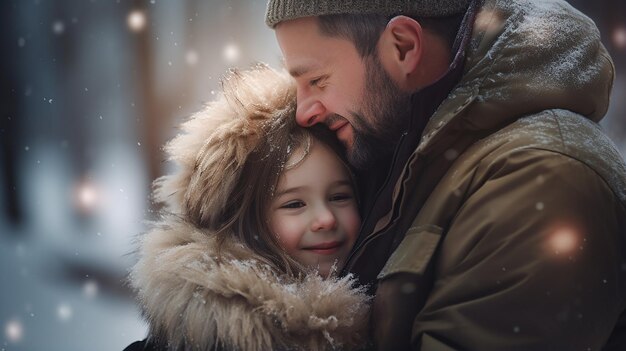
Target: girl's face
{"x":314,"y":211}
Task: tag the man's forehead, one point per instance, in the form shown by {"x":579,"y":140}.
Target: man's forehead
{"x":300,"y":43}
{"x":306,"y":50}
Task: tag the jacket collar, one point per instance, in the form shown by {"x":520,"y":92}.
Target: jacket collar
{"x":524,"y":59}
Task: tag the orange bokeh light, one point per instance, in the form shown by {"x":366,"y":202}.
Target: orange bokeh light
{"x":564,"y":240}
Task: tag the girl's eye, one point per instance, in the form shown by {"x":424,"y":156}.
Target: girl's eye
{"x":341,"y":197}
{"x":293,"y":205}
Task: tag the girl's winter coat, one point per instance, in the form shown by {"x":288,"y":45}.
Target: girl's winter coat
{"x":198,"y":297}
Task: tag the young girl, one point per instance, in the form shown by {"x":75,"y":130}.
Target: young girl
{"x":259,"y":214}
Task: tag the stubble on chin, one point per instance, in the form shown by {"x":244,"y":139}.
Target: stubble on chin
{"x":366,"y":148}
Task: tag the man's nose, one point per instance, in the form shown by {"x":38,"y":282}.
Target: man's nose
{"x":309,"y":112}
{"x":324,"y":220}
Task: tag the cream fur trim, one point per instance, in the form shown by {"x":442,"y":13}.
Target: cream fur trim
{"x":217,"y":140}
{"x":196,"y":300}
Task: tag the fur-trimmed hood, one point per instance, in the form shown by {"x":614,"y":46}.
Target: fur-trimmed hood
{"x":196,"y":298}
{"x":198,"y":294}
{"x":217,"y":140}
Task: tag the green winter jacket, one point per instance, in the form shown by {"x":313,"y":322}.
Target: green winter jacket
{"x":508,"y":224}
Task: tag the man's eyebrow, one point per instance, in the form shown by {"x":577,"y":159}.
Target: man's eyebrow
{"x":299,"y":71}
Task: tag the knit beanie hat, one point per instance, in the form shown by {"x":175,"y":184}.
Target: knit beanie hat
{"x":283,"y":10}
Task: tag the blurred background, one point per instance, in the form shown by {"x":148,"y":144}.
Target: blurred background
{"x":90,"y":91}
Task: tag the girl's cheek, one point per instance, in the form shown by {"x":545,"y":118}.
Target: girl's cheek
{"x":356,"y":222}
{"x":288,"y":230}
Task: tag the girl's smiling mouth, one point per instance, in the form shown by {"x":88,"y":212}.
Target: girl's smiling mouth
{"x":326,"y":248}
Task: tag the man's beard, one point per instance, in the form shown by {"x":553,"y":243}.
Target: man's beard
{"x":382,"y":119}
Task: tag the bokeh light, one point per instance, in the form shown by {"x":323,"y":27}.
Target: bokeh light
{"x":231,"y":53}
{"x":86,"y":196}
{"x":619,"y":37}
{"x":137,"y":20}
{"x":14,"y":331}
{"x":191,"y":57}
{"x":489,"y":20}
{"x":90,"y":289}
{"x":64,"y":312}
{"x":58,"y":27}
{"x":563,"y":240}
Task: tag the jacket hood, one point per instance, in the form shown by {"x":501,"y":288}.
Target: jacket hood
{"x":526,"y":56}
{"x":216,"y":141}
{"x":196,"y":296}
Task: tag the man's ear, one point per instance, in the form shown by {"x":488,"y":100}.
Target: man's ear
{"x":400,"y":47}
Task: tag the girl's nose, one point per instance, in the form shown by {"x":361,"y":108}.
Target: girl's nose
{"x":324,"y":220}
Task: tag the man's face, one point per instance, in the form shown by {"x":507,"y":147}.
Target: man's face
{"x":352,"y":96}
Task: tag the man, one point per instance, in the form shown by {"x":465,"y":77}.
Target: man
{"x":495,"y":207}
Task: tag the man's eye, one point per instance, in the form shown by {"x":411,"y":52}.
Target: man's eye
{"x":293,"y":204}
{"x":315,"y":82}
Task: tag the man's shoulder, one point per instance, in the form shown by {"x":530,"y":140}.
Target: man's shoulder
{"x":556,"y":130}
{"x":563,"y":132}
